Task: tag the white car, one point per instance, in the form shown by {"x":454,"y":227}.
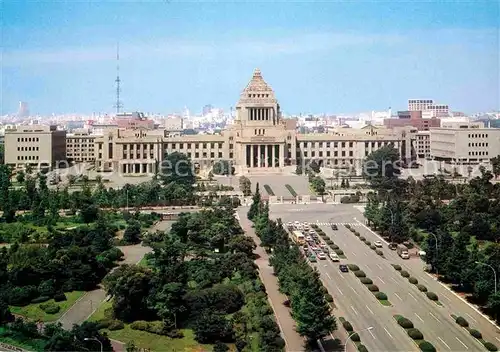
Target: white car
{"x":377,"y":244}
{"x":321,"y":256}
{"x":334,"y":257}
{"x":305,"y":223}
{"x":309,"y":238}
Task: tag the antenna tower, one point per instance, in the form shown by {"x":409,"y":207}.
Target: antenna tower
{"x":118,"y":104}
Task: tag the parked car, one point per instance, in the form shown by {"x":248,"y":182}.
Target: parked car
{"x":334,"y":257}
{"x":393,"y":246}
{"x":312,"y":259}
{"x":343,"y":268}
{"x":378,"y":244}
{"x":321,"y":256}
{"x":334,"y":227}
{"x":309,"y":238}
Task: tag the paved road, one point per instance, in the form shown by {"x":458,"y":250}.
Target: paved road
{"x":276,"y":182}
{"x":434,"y":321}
{"x":294,"y":343}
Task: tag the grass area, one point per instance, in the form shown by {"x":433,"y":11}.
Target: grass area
{"x":144,"y":262}
{"x":269,"y":190}
{"x":291,"y":190}
{"x":143,"y":339}
{"x":30,"y":345}
{"x":33,"y":311}
{"x":385,"y":302}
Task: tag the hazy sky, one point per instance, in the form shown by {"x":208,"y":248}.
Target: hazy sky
{"x":332,"y":57}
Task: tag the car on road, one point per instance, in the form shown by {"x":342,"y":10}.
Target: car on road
{"x":312,"y":259}
{"x":334,"y":227}
{"x":393,"y":246}
{"x":334,"y":257}
{"x":318,"y":249}
{"x":343,"y":268}
{"x":378,"y":244}
{"x":321,"y":256}
{"x":309,"y":238}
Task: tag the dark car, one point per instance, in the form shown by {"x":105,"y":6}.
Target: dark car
{"x":343,"y":268}
{"x":393,"y":246}
{"x":334,"y":227}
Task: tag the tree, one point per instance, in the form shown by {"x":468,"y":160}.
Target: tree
{"x":167,"y":300}
{"x":318,"y":185}
{"x":5,"y":314}
{"x":89,"y":213}
{"x":298,"y":168}
{"x":223,"y":167}
{"x":495,"y":164}
{"x":220,"y":347}
{"x":314,"y":167}
{"x":245,"y":186}
{"x":381,"y":166}
{"x":458,"y":256}
{"x":177,"y":168}
{"x":211,"y":327}
{"x":20,"y":177}
{"x":132,"y":234}
{"x":256,"y":204}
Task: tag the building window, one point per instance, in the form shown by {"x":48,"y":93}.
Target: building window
{"x":220,"y":155}
{"x":212,"y":155}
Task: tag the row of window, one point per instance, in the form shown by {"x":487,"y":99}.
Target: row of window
{"x":478,"y":153}
{"x":27,"y":149}
{"x":27,"y":157}
{"x":28,"y":139}
{"x":320,"y":154}
{"x":478,"y":135}
{"x":478,"y":144}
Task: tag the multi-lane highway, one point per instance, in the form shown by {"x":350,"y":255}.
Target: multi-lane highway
{"x":361,"y":308}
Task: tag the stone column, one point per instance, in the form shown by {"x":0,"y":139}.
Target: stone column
{"x":251,"y":155}
{"x":281,"y":154}
{"x":273,"y":156}
{"x":266,"y":161}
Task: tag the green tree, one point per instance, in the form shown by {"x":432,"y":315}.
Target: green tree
{"x":256,"y":204}
{"x":495,"y":164}
{"x":20,"y":177}
{"x":381,"y":167}
{"x":177,"y":168}
{"x":458,"y":256}
{"x":245,"y":186}
{"x":132,"y":234}
{"x":211,"y":327}
{"x":223,"y":167}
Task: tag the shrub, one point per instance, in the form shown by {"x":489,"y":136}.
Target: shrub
{"x":329,"y":242}
{"x":422,"y":288}
{"x":368,"y":243}
{"x":115,"y":325}
{"x":397,"y":267}
{"x":140,"y":325}
{"x":324,"y":290}
{"x":59,"y":297}
{"x":379,"y":252}
{"x":355,"y":337}
{"x":404,"y":273}
{"x":477,"y":334}
{"x":362,"y":348}
{"x":366,"y":280}
{"x":353,"y":267}
{"x":174,"y":334}
{"x":426,"y":346}
{"x":413,"y":280}
{"x":40,"y":299}
{"x":462,"y":322}
{"x":334,"y":247}
{"x":362,"y":238}
{"x":356,"y":233}
{"x":347,"y":326}
{"x":415,"y":334}
{"x":329,"y":298}
{"x":432,"y":296}
{"x":339,"y":252}
{"x":372,"y":288}
{"x":381,"y":296}
{"x":359,"y":273}
{"x":50,"y":308}
{"x":405,"y":323}
{"x":490,"y":347}
{"x":373,"y":247}
{"x":347,"y":226}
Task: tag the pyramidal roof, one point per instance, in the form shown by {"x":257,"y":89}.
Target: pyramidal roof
{"x":257,"y":83}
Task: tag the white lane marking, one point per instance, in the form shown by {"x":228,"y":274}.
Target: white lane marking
{"x":497,"y":338}
{"x":354,"y":310}
{"x":382,"y":281}
{"x":340,"y":291}
{"x":393,"y":279}
{"x":369,"y":309}
{"x":474,"y":320}
{"x":434,"y":316}
{"x":366,"y":254}
{"x":356,"y":292}
{"x":398,"y":296}
{"x":418,"y":316}
{"x":462,"y":342}
{"x":378,"y":265}
{"x":412,"y":296}
{"x":388,"y":333}
{"x":444,"y":343}
{"x":424,"y":280}
{"x":328,"y":276}
{"x":354,"y":254}
{"x":448,"y":298}
{"x":371,"y":333}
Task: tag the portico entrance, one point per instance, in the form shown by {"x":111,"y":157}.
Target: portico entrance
{"x":264,"y":155}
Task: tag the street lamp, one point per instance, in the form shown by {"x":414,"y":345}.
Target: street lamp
{"x":94,"y":339}
{"x":352,"y":333}
{"x":494,"y":273}
{"x":437,"y":247}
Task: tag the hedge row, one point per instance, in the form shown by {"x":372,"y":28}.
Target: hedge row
{"x":291,"y":190}
{"x":353,"y":335}
{"x":360,"y":274}
{"x":413,"y":280}
{"x":475,"y":333}
{"x":269,"y":190}
{"x":415,"y":334}
{"x":368,"y":243}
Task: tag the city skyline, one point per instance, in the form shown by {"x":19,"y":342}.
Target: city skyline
{"x":320,"y":58}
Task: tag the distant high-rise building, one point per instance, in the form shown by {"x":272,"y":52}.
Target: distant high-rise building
{"x":438,"y":110}
{"x":24,"y":110}
{"x":207,"y":109}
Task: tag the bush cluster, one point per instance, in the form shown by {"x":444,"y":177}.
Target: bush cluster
{"x":50,"y":308}
{"x":404,"y":322}
{"x":368,"y":243}
{"x":379,"y":252}
{"x":397,"y":267}
{"x":490,"y":347}
{"x":432,"y":296}
{"x":339,"y":252}
{"x":381,"y":296}
{"x":355,"y":337}
{"x":353,"y":267}
{"x":366,"y":280}
{"x":59,"y":297}
{"x":422,"y":288}
{"x":373,"y":247}
{"x":362,"y":348}
{"x":426,"y":346}
{"x":415,"y":334}
{"x":404,"y":273}
{"x":413,"y":280}
{"x":360,"y":273}
{"x":362,"y":238}
{"x":329,"y":298}
{"x":155,"y":327}
{"x":372,"y":288}
{"x":462,"y":322}
{"x":347,"y":326}
{"x":477,"y":334}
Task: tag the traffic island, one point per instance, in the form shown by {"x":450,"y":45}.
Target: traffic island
{"x":353,"y":336}
{"x":269,"y":190}
{"x":415,"y":334}
{"x":368,"y":283}
{"x":474,"y":333}
{"x":291,"y":190}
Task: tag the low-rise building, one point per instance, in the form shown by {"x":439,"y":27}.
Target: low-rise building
{"x":412,"y":119}
{"x":35,"y":144}
{"x":423,"y":144}
{"x":80,"y":146}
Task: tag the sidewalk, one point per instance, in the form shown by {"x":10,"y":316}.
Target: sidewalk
{"x":294,"y":342}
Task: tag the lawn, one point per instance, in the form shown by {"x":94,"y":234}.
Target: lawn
{"x":33,"y":311}
{"x":30,"y":345}
{"x":143,"y":339}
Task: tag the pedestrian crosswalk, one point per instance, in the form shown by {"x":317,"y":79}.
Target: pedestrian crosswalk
{"x":338,"y":223}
